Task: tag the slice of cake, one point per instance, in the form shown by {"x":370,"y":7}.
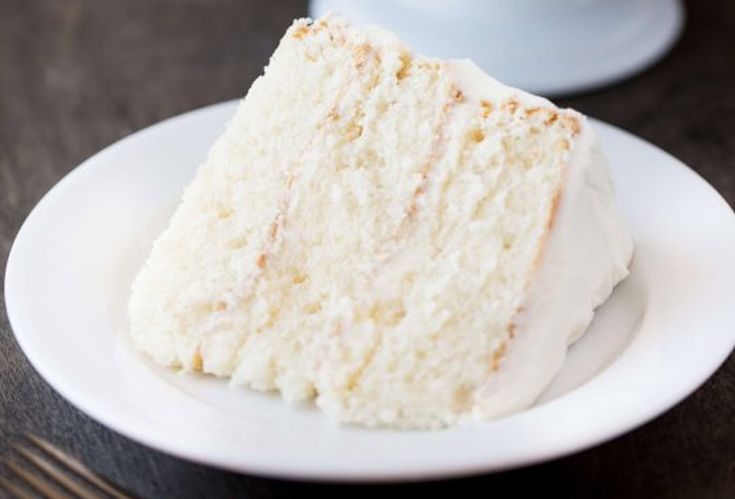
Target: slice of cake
{"x":404,"y":239}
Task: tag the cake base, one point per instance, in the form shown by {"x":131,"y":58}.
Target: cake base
{"x":563,"y":47}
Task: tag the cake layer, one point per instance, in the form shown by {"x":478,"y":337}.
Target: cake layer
{"x":400,"y":237}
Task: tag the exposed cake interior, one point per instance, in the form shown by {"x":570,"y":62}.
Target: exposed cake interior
{"x":365,"y":231}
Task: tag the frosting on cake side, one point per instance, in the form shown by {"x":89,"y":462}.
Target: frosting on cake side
{"x":587,"y":253}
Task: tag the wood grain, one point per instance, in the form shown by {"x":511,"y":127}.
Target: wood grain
{"x":76,"y":75}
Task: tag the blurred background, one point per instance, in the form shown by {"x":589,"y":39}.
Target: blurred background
{"x":77,"y":75}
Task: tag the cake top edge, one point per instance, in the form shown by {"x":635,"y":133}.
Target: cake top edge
{"x":469,"y":76}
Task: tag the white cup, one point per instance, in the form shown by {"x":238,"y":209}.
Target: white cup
{"x":544,"y":46}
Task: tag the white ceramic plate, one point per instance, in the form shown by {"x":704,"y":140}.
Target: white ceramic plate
{"x":663,"y":332}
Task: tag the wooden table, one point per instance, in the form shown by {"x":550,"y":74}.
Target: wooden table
{"x":76,"y":75}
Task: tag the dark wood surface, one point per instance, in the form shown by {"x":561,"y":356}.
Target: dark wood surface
{"x":76,"y":75}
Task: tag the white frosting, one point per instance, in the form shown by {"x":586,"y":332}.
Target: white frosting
{"x":586,"y":254}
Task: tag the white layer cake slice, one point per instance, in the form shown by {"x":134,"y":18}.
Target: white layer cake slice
{"x":405,"y":239}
